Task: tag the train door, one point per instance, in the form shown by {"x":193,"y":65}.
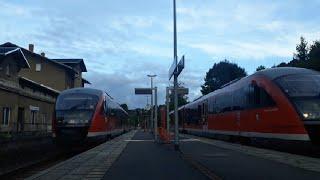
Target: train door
{"x":204,"y":116}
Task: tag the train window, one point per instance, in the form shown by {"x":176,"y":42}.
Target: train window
{"x":260,"y":98}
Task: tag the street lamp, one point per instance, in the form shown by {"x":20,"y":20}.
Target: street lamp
{"x":151,"y":117}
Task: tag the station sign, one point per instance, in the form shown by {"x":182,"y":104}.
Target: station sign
{"x":183,"y":91}
{"x":142,"y":90}
{"x":176,"y":68}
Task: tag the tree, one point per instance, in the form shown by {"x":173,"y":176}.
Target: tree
{"x":259,"y":68}
{"x":220,"y":74}
{"x":182,"y":100}
{"x":314,"y":56}
{"x":302,"y":50}
{"x":124,"y":106}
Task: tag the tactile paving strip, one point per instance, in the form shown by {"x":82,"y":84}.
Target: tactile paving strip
{"x":92,"y":164}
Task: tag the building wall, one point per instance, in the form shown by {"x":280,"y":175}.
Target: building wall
{"x":78,"y":79}
{"x":50,"y":74}
{"x":13,"y":69}
{"x":22,"y":98}
{"x":9,"y":100}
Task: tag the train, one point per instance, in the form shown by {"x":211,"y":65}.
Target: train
{"x":87,"y":115}
{"x":276,"y":104}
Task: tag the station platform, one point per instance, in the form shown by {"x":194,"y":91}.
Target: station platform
{"x":135,"y":155}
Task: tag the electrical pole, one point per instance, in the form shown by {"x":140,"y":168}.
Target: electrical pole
{"x":151,"y":115}
{"x":156,"y":114}
{"x":167,"y":104}
{"x":175,"y":80}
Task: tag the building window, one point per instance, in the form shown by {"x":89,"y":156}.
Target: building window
{"x":38,"y":67}
{"x":33,"y":117}
{"x":8,"y":70}
{"x":5,"y":116}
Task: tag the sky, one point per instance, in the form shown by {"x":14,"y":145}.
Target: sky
{"x":125,"y":40}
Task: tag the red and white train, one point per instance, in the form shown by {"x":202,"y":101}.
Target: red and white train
{"x":272,"y":104}
{"x":87,"y":114}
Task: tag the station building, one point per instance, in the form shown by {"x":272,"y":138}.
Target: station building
{"x":29,"y":86}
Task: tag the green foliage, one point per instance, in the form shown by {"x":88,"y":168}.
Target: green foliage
{"x":302,"y":50}
{"x":259,"y":68}
{"x":124,"y":106}
{"x":220,"y":74}
{"x":305,"y":57}
{"x":182,"y":100}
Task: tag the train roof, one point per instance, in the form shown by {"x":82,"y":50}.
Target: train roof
{"x":83,"y":90}
{"x":273,"y":73}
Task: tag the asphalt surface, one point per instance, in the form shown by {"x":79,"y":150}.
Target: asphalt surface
{"x":229,"y":164}
{"x":144,"y":159}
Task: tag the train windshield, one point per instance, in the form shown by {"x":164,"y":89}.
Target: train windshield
{"x":75,"y":108}
{"x":300,"y":85}
{"x":304,"y":91}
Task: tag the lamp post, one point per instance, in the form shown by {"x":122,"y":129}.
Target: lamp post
{"x":151,"y":116}
{"x":175,"y":80}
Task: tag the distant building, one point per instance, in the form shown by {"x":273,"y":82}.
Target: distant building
{"x":29,"y":85}
{"x":49,"y":72}
{"x":77,"y":65}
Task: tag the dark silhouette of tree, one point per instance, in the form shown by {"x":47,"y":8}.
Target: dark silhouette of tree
{"x":314,"y":56}
{"x":283,"y":64}
{"x":302,"y":50}
{"x":220,"y":74}
{"x":259,"y":68}
{"x":124,"y":106}
{"x":182,"y":100}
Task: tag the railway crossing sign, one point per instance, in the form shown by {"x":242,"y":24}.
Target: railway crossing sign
{"x":142,"y":91}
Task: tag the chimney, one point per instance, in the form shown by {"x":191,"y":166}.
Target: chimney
{"x":43,"y":54}
{"x":31,"y":47}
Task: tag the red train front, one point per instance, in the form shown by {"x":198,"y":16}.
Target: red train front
{"x":83,"y":114}
{"x":275,"y":104}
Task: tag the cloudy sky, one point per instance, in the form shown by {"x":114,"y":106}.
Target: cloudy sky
{"x":122,"y":41}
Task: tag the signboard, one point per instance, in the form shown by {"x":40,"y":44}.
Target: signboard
{"x":142,"y":90}
{"x":34,"y":108}
{"x":183,"y":91}
{"x":176,"y":68}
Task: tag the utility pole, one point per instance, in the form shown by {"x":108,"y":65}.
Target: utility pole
{"x":167,"y":104}
{"x":175,"y":80}
{"x":156,"y":114}
{"x":151,"y":115}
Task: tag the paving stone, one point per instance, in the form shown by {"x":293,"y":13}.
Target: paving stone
{"x":91,"y":164}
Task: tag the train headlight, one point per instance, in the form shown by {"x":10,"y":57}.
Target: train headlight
{"x":72,"y":121}
{"x":85,"y":121}
{"x":305,"y":115}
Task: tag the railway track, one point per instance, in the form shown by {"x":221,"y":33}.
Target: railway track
{"x":44,"y":163}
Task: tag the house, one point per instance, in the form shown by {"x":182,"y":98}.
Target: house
{"x":77,"y":65}
{"x":29,"y":86}
{"x":25,"y":106}
{"x":51,"y":73}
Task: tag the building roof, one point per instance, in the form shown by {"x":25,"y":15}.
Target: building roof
{"x":9,"y":44}
{"x":38,"y":85}
{"x":16,"y":53}
{"x":85,"y":81}
{"x":73,"y":61}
